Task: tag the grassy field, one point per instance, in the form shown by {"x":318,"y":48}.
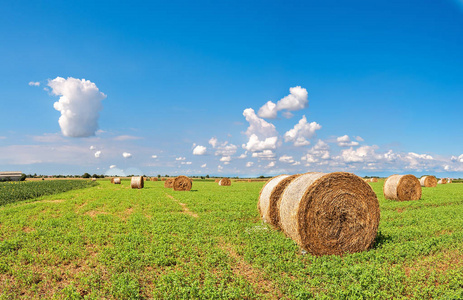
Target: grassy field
{"x":109,"y":241}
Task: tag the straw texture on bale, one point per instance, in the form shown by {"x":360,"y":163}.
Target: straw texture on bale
{"x":225,"y":181}
{"x":428,"y":181}
{"x":442,"y":181}
{"x":154,"y":179}
{"x":169,"y":182}
{"x":402,"y":188}
{"x":117,"y":180}
{"x":137,"y":182}
{"x":330,"y":213}
{"x":112,"y":180}
{"x":182,"y":183}
{"x":270,"y":199}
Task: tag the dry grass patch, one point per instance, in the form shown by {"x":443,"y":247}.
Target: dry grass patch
{"x":185,"y":208}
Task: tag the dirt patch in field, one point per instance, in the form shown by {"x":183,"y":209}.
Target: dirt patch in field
{"x":254,"y":276}
{"x":28,"y":229}
{"x":436,"y":263}
{"x":94,"y":213}
{"x":185,"y":208}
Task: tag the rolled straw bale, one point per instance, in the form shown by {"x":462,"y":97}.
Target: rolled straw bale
{"x":374,"y":179}
{"x":428,"y":181}
{"x":112,"y":179}
{"x":330,"y":213}
{"x":449,"y":180}
{"x":402,"y":188}
{"x":182,"y":183}
{"x":137,"y":182}
{"x":249,"y":180}
{"x":154,"y":179}
{"x":117,"y":180}
{"x":169,"y":182}
{"x":225,"y":182}
{"x":270,"y":198}
{"x":442,"y":181}
{"x":93,"y":179}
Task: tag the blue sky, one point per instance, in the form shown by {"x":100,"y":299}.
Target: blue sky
{"x":377,"y":87}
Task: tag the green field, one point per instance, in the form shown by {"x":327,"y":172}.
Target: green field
{"x":109,"y":241}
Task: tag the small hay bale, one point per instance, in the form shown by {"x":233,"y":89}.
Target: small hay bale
{"x":225,"y":182}
{"x":330,"y":213}
{"x":169,"y":183}
{"x":374,"y":179}
{"x":270,"y":199}
{"x":137,"y":182}
{"x":402,"y":188}
{"x":154,"y":179}
{"x":117,"y":180}
{"x":442,"y":181}
{"x":249,"y":180}
{"x":112,"y":179}
{"x":93,"y":179}
{"x":428,"y":181}
{"x":182,"y":183}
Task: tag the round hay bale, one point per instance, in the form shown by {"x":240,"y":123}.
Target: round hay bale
{"x":137,"y":182}
{"x":402,"y":188}
{"x":249,"y":180}
{"x":442,"y":181}
{"x":217,"y":180}
{"x":112,"y":179}
{"x":270,"y":199}
{"x":117,"y":180}
{"x":182,"y":183}
{"x":330,"y":213}
{"x":449,"y":180}
{"x":169,"y":183}
{"x":225,"y":182}
{"x":154,"y":179}
{"x":428,"y":181}
{"x":374,"y":179}
{"x":93,"y":179}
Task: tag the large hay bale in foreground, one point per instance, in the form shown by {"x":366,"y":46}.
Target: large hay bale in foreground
{"x":428,"y":181}
{"x":169,"y":182}
{"x":154,"y":179}
{"x":137,"y":182}
{"x":330,"y":213}
{"x":225,"y":182}
{"x":182,"y":183}
{"x":117,"y":180}
{"x":270,"y":199}
{"x":402,"y":188}
{"x":442,"y":181}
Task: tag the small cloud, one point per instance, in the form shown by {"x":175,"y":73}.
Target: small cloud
{"x":266,"y":154}
{"x":226,"y":158}
{"x":127,"y":138}
{"x":112,"y":166}
{"x":301,"y":132}
{"x":249,"y":164}
{"x":213,"y":142}
{"x":199,"y":150}
{"x":244,"y":155}
{"x":203,"y":166}
{"x":34,"y":83}
{"x":154,"y":156}
{"x":344,"y":141}
{"x":219,"y":168}
{"x":226,"y":163}
{"x":186,"y":163}
{"x":92,"y":148}
{"x":296,"y":100}
{"x":126,"y":155}
{"x":97,"y":154}
{"x":254,"y":144}
{"x":270,"y":164}
{"x":358,"y":138}
{"x":180,"y":158}
{"x":286,"y":159}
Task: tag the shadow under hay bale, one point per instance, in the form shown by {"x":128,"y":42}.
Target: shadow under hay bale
{"x":270,"y":199}
{"x":137,"y":182}
{"x":182,"y":183}
{"x":225,"y":182}
{"x":402,"y":188}
{"x":428,"y":181}
{"x":168,"y":183}
{"x":330,"y":213}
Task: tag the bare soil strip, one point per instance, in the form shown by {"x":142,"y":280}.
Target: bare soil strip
{"x":186,"y":210}
{"x":254,"y":276}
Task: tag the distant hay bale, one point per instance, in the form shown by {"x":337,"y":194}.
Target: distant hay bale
{"x":217,"y":180}
{"x":374,"y":179}
{"x":442,"y":181}
{"x":182,"y":183}
{"x":112,"y":179}
{"x":249,"y":180}
{"x":117,"y":180}
{"x":330,"y":213}
{"x":402,"y":188}
{"x":428,"y":181}
{"x":137,"y":182}
{"x":225,"y":182}
{"x":154,"y":179}
{"x":93,"y":179}
{"x":169,"y":182}
{"x":270,"y":199}
{"x":449,"y":180}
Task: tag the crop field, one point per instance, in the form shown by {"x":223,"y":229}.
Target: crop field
{"x":109,"y":241}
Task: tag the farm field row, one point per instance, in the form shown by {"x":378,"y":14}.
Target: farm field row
{"x":110,"y":241}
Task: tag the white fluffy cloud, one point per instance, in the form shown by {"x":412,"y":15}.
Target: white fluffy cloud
{"x":199,"y":150}
{"x":344,"y":141}
{"x":321,"y":150}
{"x":204,"y":165}
{"x":213,"y":142}
{"x":254,"y":144}
{"x":34,"y":83}
{"x":301,"y":132}
{"x":126,"y":155}
{"x":112,"y":166}
{"x":225,"y":149}
{"x":266,"y":154}
{"x":249,"y":164}
{"x":270,"y":164}
{"x":79,"y":104}
{"x":92,"y":148}
{"x":154,"y":156}
{"x":258,"y":126}
{"x":296,"y":100}
{"x":226,"y":158}
{"x":286,"y":159}
{"x":361,"y":154}
{"x":244,"y":155}
{"x":97,"y":154}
